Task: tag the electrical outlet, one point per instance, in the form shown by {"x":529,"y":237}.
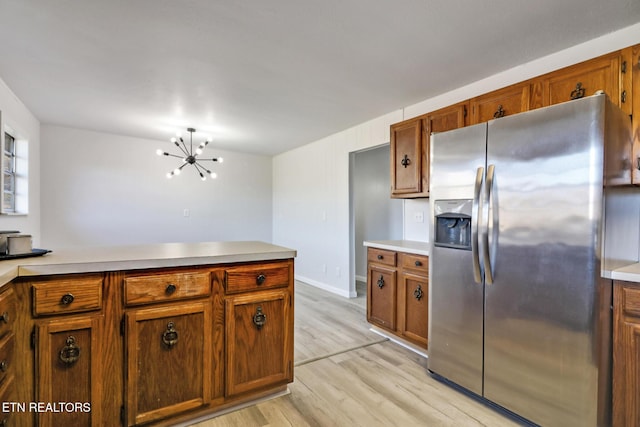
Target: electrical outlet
{"x":418,"y":216}
{"x":186,"y":213}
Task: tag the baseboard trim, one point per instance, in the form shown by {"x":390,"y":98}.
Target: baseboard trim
{"x":325,"y":287}
{"x":410,"y":346}
{"x":361,"y":278}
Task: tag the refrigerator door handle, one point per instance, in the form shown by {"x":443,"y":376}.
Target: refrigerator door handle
{"x":490,"y":212}
{"x":475,"y":221}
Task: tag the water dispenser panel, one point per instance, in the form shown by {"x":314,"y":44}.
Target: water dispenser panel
{"x":453,"y":224}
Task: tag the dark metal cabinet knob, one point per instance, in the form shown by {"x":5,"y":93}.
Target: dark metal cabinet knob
{"x":380,"y":257}
{"x":67,"y":299}
{"x":406,"y":161}
{"x":4,"y":317}
{"x":381,"y":281}
{"x":418,"y":263}
{"x":260,"y":279}
{"x":499,"y":112}
{"x":4,"y":366}
{"x":170,"y":289}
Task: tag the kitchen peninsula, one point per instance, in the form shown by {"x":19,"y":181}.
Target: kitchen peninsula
{"x":144,"y":334}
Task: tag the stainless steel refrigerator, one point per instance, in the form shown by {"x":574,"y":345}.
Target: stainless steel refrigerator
{"x":519,"y":313}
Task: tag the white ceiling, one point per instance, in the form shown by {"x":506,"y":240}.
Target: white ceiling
{"x":265,"y":76}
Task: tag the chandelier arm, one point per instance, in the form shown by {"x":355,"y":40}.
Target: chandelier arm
{"x":174,"y":155}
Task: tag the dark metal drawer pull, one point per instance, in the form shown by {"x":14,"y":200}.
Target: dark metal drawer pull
{"x":70,"y":353}
{"x":406,"y":161}
{"x":380,"y":257}
{"x":418,"y":293}
{"x":67,"y":299}
{"x":4,"y":366}
{"x":170,"y":336}
{"x":5,"y":316}
{"x":261,"y":279}
{"x":170,"y":289}
{"x":418,"y":263}
{"x":381,"y":281}
{"x":578,"y":92}
{"x":499,"y":112}
{"x":259,"y":319}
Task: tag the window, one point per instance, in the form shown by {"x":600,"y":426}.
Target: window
{"x":9,"y":174}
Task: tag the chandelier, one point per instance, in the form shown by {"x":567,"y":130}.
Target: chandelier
{"x":190,"y":157}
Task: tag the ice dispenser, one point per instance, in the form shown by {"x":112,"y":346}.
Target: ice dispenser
{"x":453,"y":223}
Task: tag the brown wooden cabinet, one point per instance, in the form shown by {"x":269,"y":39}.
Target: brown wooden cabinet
{"x":168,"y":360}
{"x":69,"y":369}
{"x":500,"y":103}
{"x":413,"y":298}
{"x":68,"y":349}
{"x":580,"y":80}
{"x":7,"y":351}
{"x":626,"y":354}
{"x":258,"y":341}
{"x":258,"y":327}
{"x":148,"y":347}
{"x":409,"y":177}
{"x":616,"y":73}
{"x":410,"y":149}
{"x":397,"y":294}
{"x":633,"y":97}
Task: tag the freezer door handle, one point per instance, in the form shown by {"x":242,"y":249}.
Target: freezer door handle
{"x":475,"y":221}
{"x":490,"y":213}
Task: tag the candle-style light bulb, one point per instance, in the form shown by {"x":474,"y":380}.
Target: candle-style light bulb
{"x":159,"y":152}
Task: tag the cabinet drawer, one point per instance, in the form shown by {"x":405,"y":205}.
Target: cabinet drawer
{"x":416,"y":263}
{"x":166,"y":287}
{"x":6,"y":357}
{"x":67,"y":296}
{"x":381,"y":256}
{"x":631,"y":301}
{"x":260,"y":276}
{"x":7,"y":311}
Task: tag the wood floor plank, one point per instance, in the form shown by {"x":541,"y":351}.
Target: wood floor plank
{"x":347,"y":375}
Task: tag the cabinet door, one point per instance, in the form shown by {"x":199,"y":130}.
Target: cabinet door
{"x":413,"y":308}
{"x":68,"y":369}
{"x":626,"y":355}
{"x":381,"y":296}
{"x":584,"y":79}
{"x":259,"y":338}
{"x":634,"y":66}
{"x":504,"y":102}
{"x":449,"y":118}
{"x":407,"y":157}
{"x":168,"y":360}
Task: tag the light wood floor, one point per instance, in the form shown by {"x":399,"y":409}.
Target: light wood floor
{"x":346,"y":375}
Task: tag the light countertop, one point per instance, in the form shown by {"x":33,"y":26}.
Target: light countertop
{"x":629,"y":273}
{"x":409,"y":246}
{"x":161,"y":255}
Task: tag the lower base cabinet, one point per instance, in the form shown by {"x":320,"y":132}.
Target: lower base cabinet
{"x":398,"y":294}
{"x":145,"y":347}
{"x":258,"y":341}
{"x":626,"y":354}
{"x":168,"y":361}
{"x":68,"y":372}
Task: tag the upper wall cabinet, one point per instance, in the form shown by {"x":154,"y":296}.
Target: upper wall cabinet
{"x":633,"y":98}
{"x":410,"y":149}
{"x":499,"y":103}
{"x":577,"y":81}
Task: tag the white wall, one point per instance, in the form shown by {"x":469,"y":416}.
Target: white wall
{"x":310,"y":186}
{"x":376,"y":215}
{"x":15,"y":116}
{"x":103,"y":189}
